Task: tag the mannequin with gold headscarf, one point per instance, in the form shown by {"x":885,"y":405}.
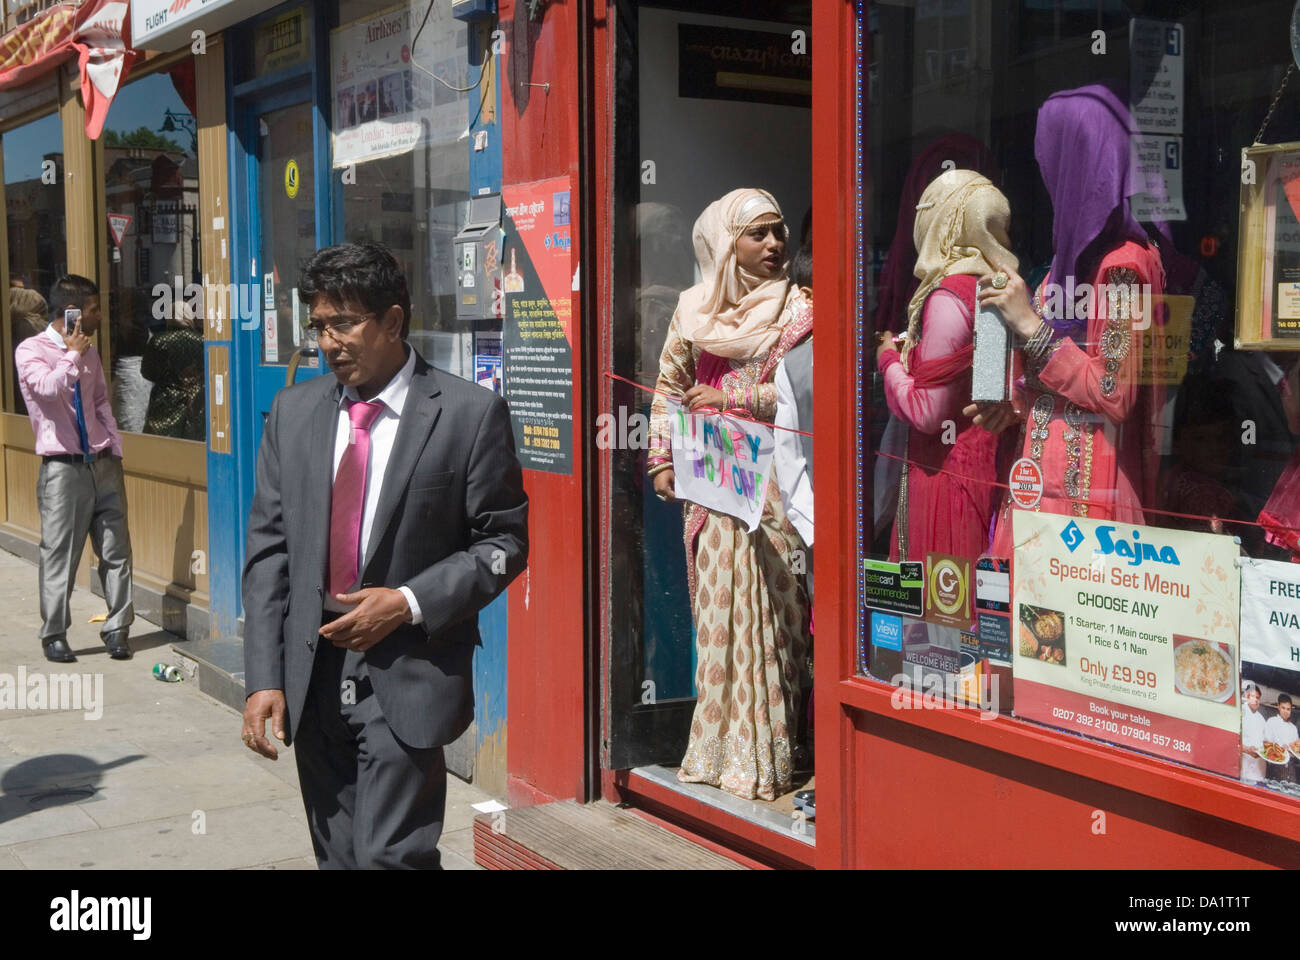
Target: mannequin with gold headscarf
{"x":946,"y":495}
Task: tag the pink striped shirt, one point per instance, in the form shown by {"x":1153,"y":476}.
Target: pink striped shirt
{"x":47,"y":373}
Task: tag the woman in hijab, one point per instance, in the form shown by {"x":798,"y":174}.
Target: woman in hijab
{"x":751,"y":612}
{"x":1088,"y":420}
{"x":947,"y":498}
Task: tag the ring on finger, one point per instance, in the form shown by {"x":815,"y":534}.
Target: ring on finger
{"x":999,"y":281}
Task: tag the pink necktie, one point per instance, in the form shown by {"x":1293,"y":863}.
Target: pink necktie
{"x":349,"y":498}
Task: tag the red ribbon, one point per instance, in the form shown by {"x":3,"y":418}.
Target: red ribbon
{"x":1091,"y":503}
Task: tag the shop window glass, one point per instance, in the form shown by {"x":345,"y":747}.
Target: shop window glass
{"x":1098,"y":157}
{"x":407,"y":183}
{"x":715,"y":99}
{"x":35,"y":222}
{"x":155,"y":305}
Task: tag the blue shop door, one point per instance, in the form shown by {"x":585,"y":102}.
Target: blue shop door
{"x":279,"y":219}
{"x":281,"y":203}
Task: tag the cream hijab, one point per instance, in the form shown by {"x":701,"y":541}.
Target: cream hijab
{"x":961,"y":227}
{"x":733,"y":313}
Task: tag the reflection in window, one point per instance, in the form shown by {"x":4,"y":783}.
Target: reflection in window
{"x":155,"y":301}
{"x":35,"y":221}
{"x":413,"y":201}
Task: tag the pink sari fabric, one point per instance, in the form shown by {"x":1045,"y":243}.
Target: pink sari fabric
{"x":1121,"y":423}
{"x":951,"y":495}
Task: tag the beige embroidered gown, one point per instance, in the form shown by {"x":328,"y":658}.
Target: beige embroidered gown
{"x":751,"y":611}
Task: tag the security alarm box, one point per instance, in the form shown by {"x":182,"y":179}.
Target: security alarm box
{"x":478,"y":260}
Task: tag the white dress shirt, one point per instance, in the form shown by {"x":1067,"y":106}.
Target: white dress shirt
{"x":1280,"y":731}
{"x":383,"y":433}
{"x":791,"y":468}
{"x":1253,"y":769}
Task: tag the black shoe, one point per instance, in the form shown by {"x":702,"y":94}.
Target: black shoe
{"x":58,"y":651}
{"x":115,"y":640}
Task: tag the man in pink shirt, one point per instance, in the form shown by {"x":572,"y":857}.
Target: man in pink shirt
{"x":79,"y":489}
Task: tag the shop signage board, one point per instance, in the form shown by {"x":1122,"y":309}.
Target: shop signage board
{"x":168,"y":24}
{"x":720,"y":462}
{"x":537,"y":335}
{"x":1129,"y":634}
{"x":1270,"y":658}
{"x":386,"y":97}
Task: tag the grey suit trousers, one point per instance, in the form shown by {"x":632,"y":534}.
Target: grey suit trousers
{"x":75,"y":499}
{"x":372,"y":801}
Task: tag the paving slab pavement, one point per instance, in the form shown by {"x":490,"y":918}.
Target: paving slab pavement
{"x":144,"y":774}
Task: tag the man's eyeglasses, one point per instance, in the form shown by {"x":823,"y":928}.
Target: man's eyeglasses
{"x":339,"y":326}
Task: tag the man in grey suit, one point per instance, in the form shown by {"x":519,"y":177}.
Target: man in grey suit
{"x":389,"y":509}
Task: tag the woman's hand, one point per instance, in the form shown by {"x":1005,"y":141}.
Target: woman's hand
{"x":664,"y":485}
{"x":993,"y":417}
{"x":1012,"y":301}
{"x":703,"y":396}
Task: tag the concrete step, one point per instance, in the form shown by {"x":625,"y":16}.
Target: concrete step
{"x":216,"y":665}
{"x":567,"y":835}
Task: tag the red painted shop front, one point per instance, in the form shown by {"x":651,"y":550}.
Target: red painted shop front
{"x":601,"y":664}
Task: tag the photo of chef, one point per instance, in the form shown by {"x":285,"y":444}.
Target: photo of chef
{"x":1270,"y":740}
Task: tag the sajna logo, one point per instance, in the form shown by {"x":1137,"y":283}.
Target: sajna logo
{"x":1137,"y":551}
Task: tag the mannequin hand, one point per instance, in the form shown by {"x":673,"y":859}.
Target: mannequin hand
{"x":1012,"y":301}
{"x":993,"y":417}
{"x":885,"y":342}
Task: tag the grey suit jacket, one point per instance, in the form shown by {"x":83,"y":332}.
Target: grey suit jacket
{"x":451,"y":524}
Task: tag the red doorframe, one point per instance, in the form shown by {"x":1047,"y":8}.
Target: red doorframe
{"x":837,"y":247}
{"x":833,"y":173}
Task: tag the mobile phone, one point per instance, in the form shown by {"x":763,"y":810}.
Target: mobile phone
{"x":71,"y":317}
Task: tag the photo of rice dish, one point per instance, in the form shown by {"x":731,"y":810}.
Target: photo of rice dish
{"x":1042,"y":634}
{"x":1202,"y":669}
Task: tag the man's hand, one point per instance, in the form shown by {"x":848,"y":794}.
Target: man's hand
{"x":378,"y":612}
{"x":76,"y":341}
{"x":258,"y":708}
{"x":993,"y":417}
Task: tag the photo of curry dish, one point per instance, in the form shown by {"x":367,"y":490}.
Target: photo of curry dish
{"x":1274,"y":753}
{"x":1202,"y":669}
{"x":1042,"y":634}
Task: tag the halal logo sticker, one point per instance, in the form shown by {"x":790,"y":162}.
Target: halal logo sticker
{"x":292,"y":179}
{"x":948,"y":587}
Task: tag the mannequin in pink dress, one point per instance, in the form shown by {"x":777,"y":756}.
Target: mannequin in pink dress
{"x":947,"y":493}
{"x":1087,"y":419}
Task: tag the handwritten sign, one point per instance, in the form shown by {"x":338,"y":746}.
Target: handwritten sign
{"x":721,"y":462}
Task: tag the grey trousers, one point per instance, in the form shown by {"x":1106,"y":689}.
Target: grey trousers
{"x":75,"y":499}
{"x":372,"y":801}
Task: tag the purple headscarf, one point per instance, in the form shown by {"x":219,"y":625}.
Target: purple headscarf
{"x":1083,"y":147}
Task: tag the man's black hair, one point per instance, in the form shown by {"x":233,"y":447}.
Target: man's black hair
{"x":801,"y":266}
{"x":365,"y":273}
{"x":70,"y":290}
{"x":1283,"y":698}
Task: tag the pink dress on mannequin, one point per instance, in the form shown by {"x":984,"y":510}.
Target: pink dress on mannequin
{"x":951,"y":495}
{"x":1099,"y":456}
